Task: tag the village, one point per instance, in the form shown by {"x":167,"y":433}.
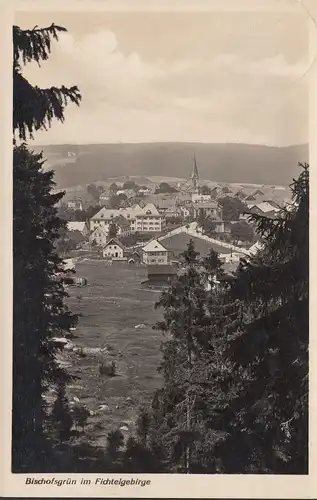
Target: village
{"x":153,"y":229}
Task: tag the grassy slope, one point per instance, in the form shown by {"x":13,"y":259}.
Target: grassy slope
{"x":112,"y":304}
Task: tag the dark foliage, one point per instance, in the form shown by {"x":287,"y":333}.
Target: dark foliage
{"x":39,"y":312}
{"x":267,"y":423}
{"x":35,"y":108}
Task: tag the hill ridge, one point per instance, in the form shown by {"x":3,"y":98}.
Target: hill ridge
{"x":219,"y":162}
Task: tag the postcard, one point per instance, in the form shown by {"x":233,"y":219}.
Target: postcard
{"x":158,"y":330}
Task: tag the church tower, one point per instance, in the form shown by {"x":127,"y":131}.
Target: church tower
{"x":195,"y":177}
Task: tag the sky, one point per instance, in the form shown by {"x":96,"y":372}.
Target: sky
{"x":210,"y":77}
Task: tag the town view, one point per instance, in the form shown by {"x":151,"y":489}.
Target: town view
{"x":160,"y":286}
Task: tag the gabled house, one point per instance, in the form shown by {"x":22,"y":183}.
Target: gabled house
{"x":208,"y":209}
{"x":154,"y":253}
{"x":250,"y":198}
{"x":98,"y":236}
{"x":82,"y":227}
{"x":114,"y":249}
{"x":240,"y":194}
{"x":264,"y":207}
{"x":258,"y":192}
{"x":172,"y":212}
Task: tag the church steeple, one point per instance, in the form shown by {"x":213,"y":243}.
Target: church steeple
{"x":195,"y":176}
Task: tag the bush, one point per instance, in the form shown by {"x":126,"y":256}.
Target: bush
{"x":80,"y":415}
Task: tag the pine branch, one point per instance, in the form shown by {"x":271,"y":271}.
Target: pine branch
{"x":35,"y":108}
{"x":35,"y":44}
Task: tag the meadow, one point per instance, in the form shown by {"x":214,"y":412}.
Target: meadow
{"x":111,"y":305}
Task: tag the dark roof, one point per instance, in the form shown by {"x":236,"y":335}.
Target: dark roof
{"x":114,"y":241}
{"x":121,"y":221}
{"x":178,"y":243}
{"x":165,"y":269}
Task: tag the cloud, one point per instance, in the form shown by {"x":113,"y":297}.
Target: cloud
{"x":225,"y":97}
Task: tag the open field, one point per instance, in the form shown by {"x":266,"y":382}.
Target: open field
{"x":112,"y":304}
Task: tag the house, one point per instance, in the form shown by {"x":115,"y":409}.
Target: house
{"x":123,"y":225}
{"x":154,"y":253}
{"x":146,"y":219}
{"x":114,"y":249}
{"x":104,"y":199}
{"x":240,"y":194}
{"x":201,"y":198}
{"x":250,"y":198}
{"x":258,"y":192}
{"x":103,"y":218}
{"x":134,"y":256}
{"x":264,"y":207}
{"x":98,"y":236}
{"x":75,"y":205}
{"x":161,"y":275}
{"x":207,"y":209}
{"x":172,"y":212}
{"x":144,"y":191}
{"x":149,"y":219}
{"x":82,"y":227}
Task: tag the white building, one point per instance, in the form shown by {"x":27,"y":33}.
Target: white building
{"x":154,"y":253}
{"x":201,"y":198}
{"x":75,"y":205}
{"x":98,"y":236}
{"x":147,"y":219}
{"x":144,"y":190}
{"x":113,"y":249}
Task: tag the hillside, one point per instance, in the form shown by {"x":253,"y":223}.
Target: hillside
{"x":241,"y":163}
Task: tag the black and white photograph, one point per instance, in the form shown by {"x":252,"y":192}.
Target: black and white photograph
{"x":161,"y":241}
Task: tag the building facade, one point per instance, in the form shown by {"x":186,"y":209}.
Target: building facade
{"x":154,"y":253}
{"x":98,"y":236}
{"x":142,"y":220}
{"x":113,"y":250}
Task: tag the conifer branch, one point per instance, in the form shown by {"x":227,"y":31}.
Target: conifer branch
{"x":35,"y":44}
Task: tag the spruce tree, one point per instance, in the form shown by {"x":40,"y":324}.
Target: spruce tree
{"x":267,"y":420}
{"x":61,"y":413}
{"x":39,"y":311}
{"x":180,"y":431}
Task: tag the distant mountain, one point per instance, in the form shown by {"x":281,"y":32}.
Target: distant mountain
{"x":240,"y":163}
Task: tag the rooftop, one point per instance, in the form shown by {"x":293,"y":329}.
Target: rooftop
{"x":76,"y":226}
{"x":114,"y":241}
{"x":154,"y":246}
{"x":178,"y":244}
